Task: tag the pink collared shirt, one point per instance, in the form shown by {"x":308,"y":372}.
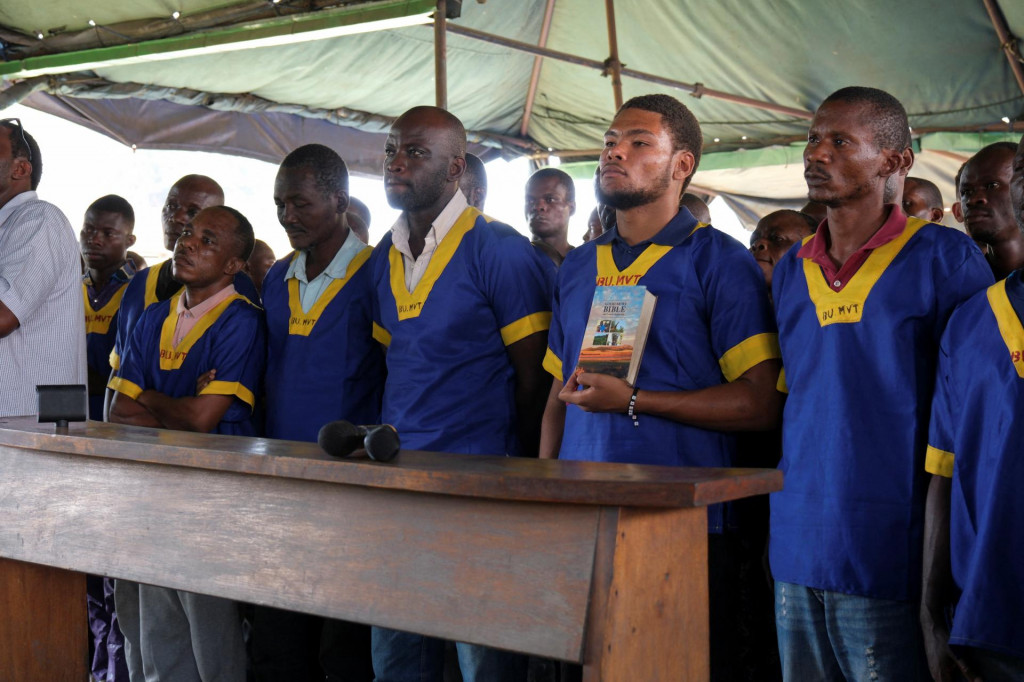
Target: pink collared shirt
{"x":188,"y":317}
{"x":816,"y":249}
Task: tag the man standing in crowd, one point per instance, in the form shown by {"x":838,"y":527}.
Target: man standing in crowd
{"x":41,"y":336}
{"x":973,"y":533}
{"x":550,"y":202}
{"x":474,"y":182}
{"x":922,"y":199}
{"x":322,"y":365}
{"x":988,"y":215}
{"x":105,"y":239}
{"x":711,"y":360}
{"x":183,"y":636}
{"x":259,"y":263}
{"x":775,"y":234}
{"x":463,"y":305}
{"x":860,"y":308}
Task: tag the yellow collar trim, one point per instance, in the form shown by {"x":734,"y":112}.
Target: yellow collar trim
{"x":151,"y":278}
{"x":847,"y":306}
{"x":410,"y":304}
{"x":609,"y":275}
{"x":98,"y":321}
{"x":172,"y":356}
{"x":1009,"y":324}
{"x":301,"y":323}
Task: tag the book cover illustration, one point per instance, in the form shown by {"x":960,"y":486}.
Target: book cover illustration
{"x":620,"y":317}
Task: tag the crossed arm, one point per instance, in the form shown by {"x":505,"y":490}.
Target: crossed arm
{"x":199,"y":413}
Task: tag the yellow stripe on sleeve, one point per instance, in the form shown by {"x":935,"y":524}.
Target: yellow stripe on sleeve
{"x":124,"y":386}
{"x":381,"y":335}
{"x":938,"y":462}
{"x":553,"y":365}
{"x":524,"y":326}
{"x":748,"y":353}
{"x":780,"y":385}
{"x":115,"y":361}
{"x":233,"y":388}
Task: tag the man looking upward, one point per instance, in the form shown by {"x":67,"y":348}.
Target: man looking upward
{"x":463,"y":305}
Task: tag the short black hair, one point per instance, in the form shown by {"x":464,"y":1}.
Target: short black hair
{"x":329,"y":170}
{"x":564,"y":179}
{"x":888,"y":118}
{"x":931,"y":191}
{"x":956,"y":178}
{"x":475,"y":175}
{"x":681,"y":122}
{"x":244,"y":234}
{"x":113,"y":203}
{"x":30,"y":151}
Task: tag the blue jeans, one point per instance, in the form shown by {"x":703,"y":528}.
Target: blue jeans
{"x":829,"y":636}
{"x":406,"y":657}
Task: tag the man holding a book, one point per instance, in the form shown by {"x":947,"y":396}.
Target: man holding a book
{"x":710,"y":359}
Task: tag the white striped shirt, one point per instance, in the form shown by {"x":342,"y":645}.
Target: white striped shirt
{"x":41,"y":283}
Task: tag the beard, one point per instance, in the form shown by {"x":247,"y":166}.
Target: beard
{"x":625,"y":199}
{"x":418,"y":196}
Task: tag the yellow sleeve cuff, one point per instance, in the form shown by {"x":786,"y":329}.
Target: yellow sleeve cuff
{"x":124,"y":386}
{"x":938,"y":462}
{"x":381,"y":335}
{"x":748,"y":353}
{"x":780,"y":385}
{"x":553,"y":365}
{"x":115,"y":361}
{"x":233,"y":388}
{"x":524,"y":326}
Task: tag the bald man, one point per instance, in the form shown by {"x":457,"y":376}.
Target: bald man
{"x":697,"y":206}
{"x":922,"y":199}
{"x":463,"y":306}
{"x":775,"y":234}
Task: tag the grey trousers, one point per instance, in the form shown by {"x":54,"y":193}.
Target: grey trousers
{"x":176,"y":636}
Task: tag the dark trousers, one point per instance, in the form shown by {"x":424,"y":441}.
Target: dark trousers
{"x":297,"y":647}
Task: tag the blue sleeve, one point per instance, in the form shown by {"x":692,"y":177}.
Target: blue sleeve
{"x":517,"y":282}
{"x":743,"y":332}
{"x":378,"y":271}
{"x":941,"y":426}
{"x":556,"y":337}
{"x":246,"y":287}
{"x":131,"y":376}
{"x":969,"y":274}
{"x":127,"y":317}
{"x":238,"y":353}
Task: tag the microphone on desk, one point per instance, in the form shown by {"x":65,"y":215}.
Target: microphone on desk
{"x":341,"y":438}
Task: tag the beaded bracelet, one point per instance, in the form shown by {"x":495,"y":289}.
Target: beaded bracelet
{"x":632,"y":407}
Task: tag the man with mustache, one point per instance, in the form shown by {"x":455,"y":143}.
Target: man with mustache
{"x":180,"y":635}
{"x":987,"y":211}
{"x":463,"y":305}
{"x":973,"y":534}
{"x":710,"y":365}
{"x":322,"y":365}
{"x":860,"y":307}
{"x":550,"y":202}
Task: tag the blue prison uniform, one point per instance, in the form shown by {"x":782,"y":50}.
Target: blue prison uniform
{"x":100,"y":335}
{"x":712,"y":322}
{"x":974,"y":438}
{"x":859,"y":365}
{"x":323,"y":365}
{"x":230,"y":338}
{"x":450,"y":384}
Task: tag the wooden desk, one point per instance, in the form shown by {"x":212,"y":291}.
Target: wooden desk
{"x":604,"y":564}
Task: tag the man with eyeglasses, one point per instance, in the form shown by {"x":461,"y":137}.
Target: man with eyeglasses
{"x":42,"y":339}
{"x":550,"y":202}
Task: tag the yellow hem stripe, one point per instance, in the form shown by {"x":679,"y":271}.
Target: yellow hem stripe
{"x":553,"y":365}
{"x":234,"y":388}
{"x":780,"y":385}
{"x":938,"y":462}
{"x":381,"y":335}
{"x":748,"y":353}
{"x":124,"y":386}
{"x":524,"y":326}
